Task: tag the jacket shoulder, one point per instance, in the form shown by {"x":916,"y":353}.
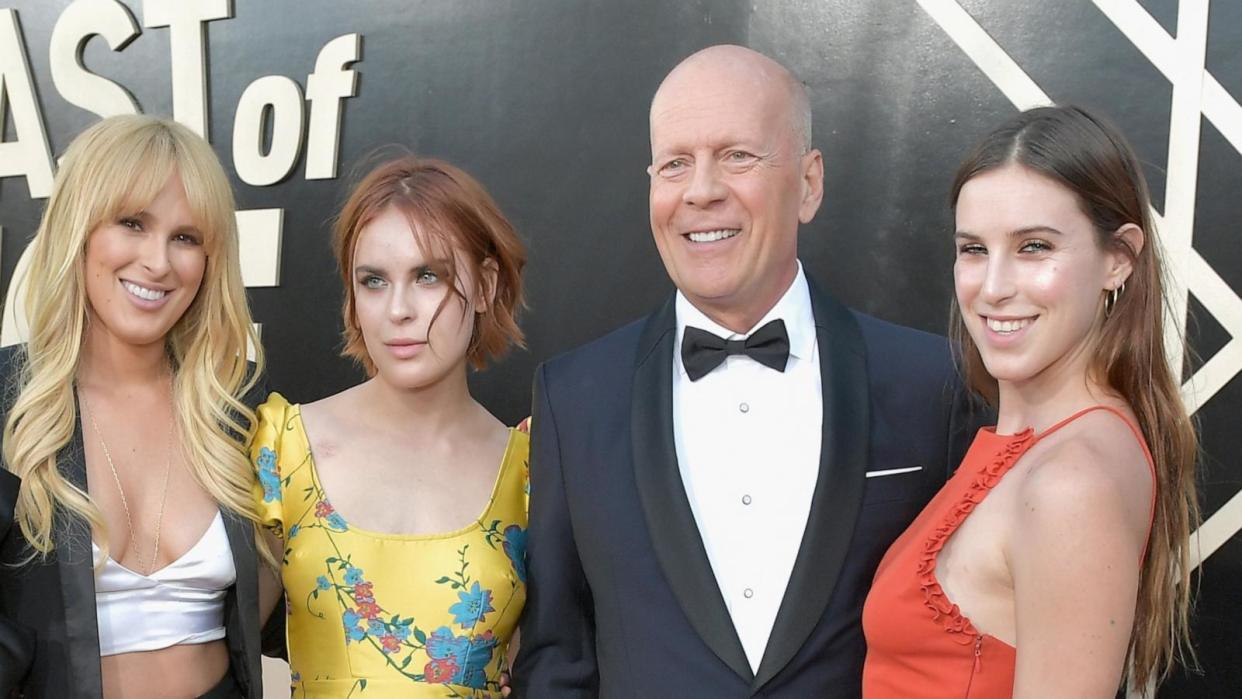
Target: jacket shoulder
{"x":615,"y":350}
{"x":906,"y":353}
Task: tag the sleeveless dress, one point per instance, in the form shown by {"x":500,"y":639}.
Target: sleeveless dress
{"x":390,"y":615}
{"x":919,"y":644}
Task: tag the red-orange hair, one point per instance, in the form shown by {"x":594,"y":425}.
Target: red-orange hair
{"x":447,"y":210}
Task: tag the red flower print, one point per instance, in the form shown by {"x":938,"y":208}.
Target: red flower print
{"x":364,"y":592}
{"x":440,"y":671}
{"x":323,"y":509}
{"x":390,"y":643}
{"x":369,"y":610}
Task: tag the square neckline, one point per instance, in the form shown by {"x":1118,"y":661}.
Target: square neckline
{"x":475,"y":524}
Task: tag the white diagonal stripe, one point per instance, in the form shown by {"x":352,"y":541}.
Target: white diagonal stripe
{"x":986,"y":53}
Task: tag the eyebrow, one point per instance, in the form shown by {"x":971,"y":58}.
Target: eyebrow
{"x":147,"y":217}
{"x":436,"y":265}
{"x":1016,"y":233}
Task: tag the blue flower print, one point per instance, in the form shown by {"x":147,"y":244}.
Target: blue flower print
{"x":293,"y":531}
{"x":336,"y":522}
{"x":472,"y":607}
{"x":323,"y":583}
{"x":269,"y":475}
{"x":353,"y":576}
{"x":376,"y":628}
{"x":352,"y":631}
{"x":442,"y":644}
{"x":515,"y":549}
{"x":470,"y":655}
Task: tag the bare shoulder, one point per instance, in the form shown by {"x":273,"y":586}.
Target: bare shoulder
{"x":335,"y":407}
{"x":1092,"y":472}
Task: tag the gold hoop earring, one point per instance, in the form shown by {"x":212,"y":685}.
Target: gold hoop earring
{"x":1111,"y":298}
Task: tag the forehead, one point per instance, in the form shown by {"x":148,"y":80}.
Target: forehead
{"x":717,"y":108}
{"x":1014,"y":197}
{"x":394,"y":237}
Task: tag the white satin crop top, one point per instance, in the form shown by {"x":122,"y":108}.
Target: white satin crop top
{"x":181,"y":603}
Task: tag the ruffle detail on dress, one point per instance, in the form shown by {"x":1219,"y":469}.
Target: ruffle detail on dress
{"x":987,"y":477}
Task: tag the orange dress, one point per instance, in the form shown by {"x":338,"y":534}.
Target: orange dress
{"x":919,"y":644}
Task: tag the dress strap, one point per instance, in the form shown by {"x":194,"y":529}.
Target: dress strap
{"x":1133,"y":428}
{"x":1138,"y":435}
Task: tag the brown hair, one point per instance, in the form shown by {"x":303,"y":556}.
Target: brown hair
{"x":447,"y":208}
{"x":1089,"y":156}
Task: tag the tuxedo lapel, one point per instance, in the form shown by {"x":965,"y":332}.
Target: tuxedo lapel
{"x":838,"y":488}
{"x":77,"y":577}
{"x":674,"y":532}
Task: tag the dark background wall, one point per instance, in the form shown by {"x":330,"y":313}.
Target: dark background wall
{"x":546,"y":102}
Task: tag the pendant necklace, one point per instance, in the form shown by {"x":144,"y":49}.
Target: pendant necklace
{"x":129,"y":522}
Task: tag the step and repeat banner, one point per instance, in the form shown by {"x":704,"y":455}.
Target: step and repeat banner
{"x":545,"y":101}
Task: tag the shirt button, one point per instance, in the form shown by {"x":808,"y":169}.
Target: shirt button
{"x":744,"y":407}
{"x":745,"y":499}
{"x":748,"y":593}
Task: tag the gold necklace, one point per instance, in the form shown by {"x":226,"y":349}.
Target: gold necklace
{"x":129,"y":522}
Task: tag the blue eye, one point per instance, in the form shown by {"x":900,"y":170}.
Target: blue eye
{"x":672,"y":166}
{"x":1036,"y":246}
{"x":971,"y":249}
{"x":373,"y":282}
{"x":427,"y":276}
{"x":130,"y":223}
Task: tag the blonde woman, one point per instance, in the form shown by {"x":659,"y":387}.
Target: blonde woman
{"x":133,"y":561}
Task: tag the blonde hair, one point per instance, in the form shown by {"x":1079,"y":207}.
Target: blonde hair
{"x":116,"y":168}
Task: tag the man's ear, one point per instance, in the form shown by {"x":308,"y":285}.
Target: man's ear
{"x":812,"y":163}
{"x":485,"y":295}
{"x":1120,"y":263}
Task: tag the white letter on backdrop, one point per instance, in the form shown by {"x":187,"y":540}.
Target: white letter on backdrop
{"x":325,"y":88}
{"x":81,"y":20}
{"x":185,"y":20}
{"x":282,"y":97}
{"x":28,"y":155}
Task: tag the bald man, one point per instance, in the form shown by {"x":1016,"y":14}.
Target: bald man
{"x":713,"y":486}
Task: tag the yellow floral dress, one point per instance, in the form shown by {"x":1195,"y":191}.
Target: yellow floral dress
{"x":389,"y":615}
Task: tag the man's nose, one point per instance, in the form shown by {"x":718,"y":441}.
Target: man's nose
{"x":706,"y":186}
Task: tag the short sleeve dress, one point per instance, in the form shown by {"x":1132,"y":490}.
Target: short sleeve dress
{"x":388,"y":615}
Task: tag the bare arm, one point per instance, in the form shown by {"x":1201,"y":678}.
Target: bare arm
{"x":1075,"y":558}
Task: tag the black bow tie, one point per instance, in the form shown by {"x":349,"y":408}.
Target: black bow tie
{"x":702,"y":351}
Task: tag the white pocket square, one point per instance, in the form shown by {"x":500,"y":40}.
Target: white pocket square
{"x":892,"y":471}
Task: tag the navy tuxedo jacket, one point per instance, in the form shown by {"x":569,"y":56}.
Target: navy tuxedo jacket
{"x":622,"y":601}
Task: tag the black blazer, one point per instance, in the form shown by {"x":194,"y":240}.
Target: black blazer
{"x":55,"y":597}
{"x":622,"y":601}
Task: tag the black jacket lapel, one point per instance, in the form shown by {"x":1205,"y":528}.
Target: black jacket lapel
{"x":839,"y":488}
{"x":242,"y":605}
{"x":674,"y":533}
{"x":77,"y":578}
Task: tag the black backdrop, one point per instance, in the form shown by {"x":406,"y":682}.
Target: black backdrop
{"x":546,"y":102}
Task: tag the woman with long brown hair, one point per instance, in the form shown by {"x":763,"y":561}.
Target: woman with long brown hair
{"x":1055,"y":561}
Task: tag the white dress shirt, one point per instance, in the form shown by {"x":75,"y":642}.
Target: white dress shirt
{"x":748,"y":441}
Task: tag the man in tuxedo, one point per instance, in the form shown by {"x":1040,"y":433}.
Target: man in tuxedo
{"x":712,"y":486}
